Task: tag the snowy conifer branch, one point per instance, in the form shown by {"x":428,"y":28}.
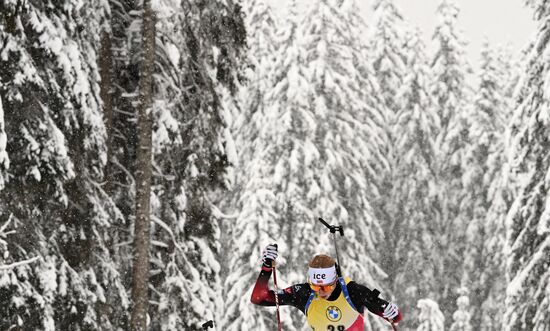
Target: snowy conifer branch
{"x":18,"y":264}
{"x":3,"y":234}
{"x":3,"y":228}
{"x":169,"y":230}
{"x":220,"y":214}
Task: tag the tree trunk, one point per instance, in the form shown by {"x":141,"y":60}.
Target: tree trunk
{"x":105,"y":65}
{"x":140,"y":274}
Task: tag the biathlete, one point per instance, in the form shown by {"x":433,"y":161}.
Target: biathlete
{"x":328,"y":301}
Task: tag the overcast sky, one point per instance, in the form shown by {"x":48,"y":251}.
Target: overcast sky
{"x":502,"y":21}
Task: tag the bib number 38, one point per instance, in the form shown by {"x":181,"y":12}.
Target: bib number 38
{"x":337,"y":328}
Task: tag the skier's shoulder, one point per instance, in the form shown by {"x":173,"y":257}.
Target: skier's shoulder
{"x":296,"y":295}
{"x":355,"y":287}
{"x":363,"y":297}
{"x":296,"y":291}
{"x":302,"y":288}
{"x":350,"y":283}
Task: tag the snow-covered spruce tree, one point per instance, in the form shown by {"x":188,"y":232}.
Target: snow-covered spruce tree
{"x":55,"y":142}
{"x":261,"y":31}
{"x":450,"y":67}
{"x":451,"y":93}
{"x":374,"y":111}
{"x":413,"y":181}
{"x":199,"y":52}
{"x":486,"y":198}
{"x":345,"y":137}
{"x":487,"y":123}
{"x":430,"y":317}
{"x":400,"y":68}
{"x":194,"y":56}
{"x":527,"y":222}
{"x":261,"y":34}
{"x":387,"y":37}
{"x":300,"y":156}
{"x":387,"y":58}
{"x":257,"y":192}
{"x":501,"y":193}
{"x":261,"y":40}
{"x":462,"y":316}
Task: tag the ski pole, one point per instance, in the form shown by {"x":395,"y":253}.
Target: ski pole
{"x":333,"y":229}
{"x":279,"y":325}
{"x":339,"y":228}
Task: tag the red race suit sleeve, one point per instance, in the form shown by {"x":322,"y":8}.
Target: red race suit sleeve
{"x":295,"y":295}
{"x":261,"y":294}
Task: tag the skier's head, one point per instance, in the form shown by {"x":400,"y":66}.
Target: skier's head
{"x":322,"y":275}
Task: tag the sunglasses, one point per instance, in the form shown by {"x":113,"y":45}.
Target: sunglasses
{"x":325,"y":288}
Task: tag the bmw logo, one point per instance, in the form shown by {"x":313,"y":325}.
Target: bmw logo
{"x":334,"y":314}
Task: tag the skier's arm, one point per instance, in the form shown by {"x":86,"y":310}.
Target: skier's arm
{"x":261,"y":294}
{"x":295,"y":295}
{"x":363,"y":296}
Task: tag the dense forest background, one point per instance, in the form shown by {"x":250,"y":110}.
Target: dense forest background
{"x":150,"y":149}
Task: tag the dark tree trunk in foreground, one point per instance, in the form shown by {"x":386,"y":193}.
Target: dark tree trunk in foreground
{"x":140,"y":272}
{"x":105,"y":69}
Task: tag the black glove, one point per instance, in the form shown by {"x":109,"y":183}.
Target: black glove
{"x":269,"y":255}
